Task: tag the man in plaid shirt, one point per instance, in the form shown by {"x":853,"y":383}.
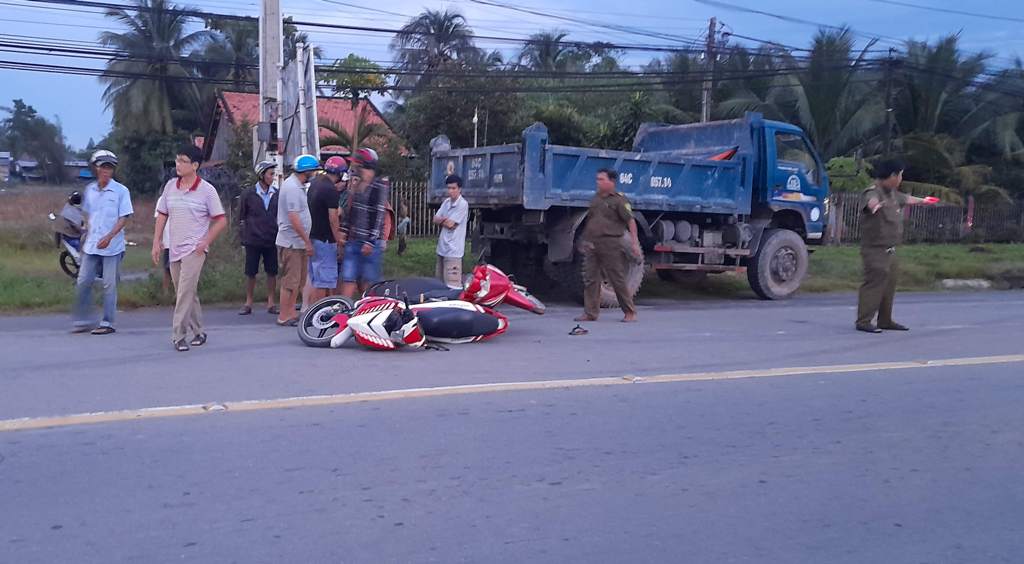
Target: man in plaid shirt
{"x":363,"y":225}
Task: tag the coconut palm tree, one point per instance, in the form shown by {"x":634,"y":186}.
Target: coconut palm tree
{"x":150,"y":89}
{"x":935,"y":84}
{"x":547,"y":51}
{"x":430,"y":41}
{"x":996,"y":117}
{"x":231,"y":53}
{"x":832,"y":95}
{"x":364,"y":129}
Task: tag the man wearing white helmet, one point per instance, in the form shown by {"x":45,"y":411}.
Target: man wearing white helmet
{"x":293,"y":245}
{"x":107,"y":205}
{"x":257,"y":226}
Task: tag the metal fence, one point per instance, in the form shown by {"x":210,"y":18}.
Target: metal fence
{"x":979,"y":223}
{"x":421,"y":214}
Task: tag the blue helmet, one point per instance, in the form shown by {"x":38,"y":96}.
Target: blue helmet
{"x":306,"y":163}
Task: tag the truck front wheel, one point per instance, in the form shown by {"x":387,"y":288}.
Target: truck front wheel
{"x":780,"y":265}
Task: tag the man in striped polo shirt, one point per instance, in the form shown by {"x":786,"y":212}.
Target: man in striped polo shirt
{"x":190,"y":208}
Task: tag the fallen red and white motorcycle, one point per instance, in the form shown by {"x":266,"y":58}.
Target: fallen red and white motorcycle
{"x":385,"y":323}
{"x":487,"y":286}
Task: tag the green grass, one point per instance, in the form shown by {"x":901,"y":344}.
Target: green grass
{"x":31,"y":280}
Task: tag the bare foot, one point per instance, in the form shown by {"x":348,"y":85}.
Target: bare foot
{"x":585,"y":318}
{"x":630,"y":318}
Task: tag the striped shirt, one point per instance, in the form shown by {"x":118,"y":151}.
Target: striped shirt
{"x":189,"y":211}
{"x":365,"y":221}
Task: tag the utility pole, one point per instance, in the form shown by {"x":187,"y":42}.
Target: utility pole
{"x":889,"y":102}
{"x":705,"y":102}
{"x":271,"y":39}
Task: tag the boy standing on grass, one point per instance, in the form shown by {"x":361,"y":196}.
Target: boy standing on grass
{"x":107,"y":206}
{"x":191,"y":209}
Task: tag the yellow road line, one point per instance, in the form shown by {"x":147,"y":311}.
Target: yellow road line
{"x":358,"y":397}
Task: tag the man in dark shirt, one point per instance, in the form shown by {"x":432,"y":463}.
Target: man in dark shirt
{"x":325,"y":231}
{"x":605,"y":256}
{"x":257,"y":225}
{"x":881,"y":228}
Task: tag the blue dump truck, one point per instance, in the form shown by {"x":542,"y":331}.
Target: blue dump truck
{"x":740,"y":195}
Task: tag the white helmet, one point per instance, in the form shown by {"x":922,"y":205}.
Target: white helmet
{"x":103,"y":157}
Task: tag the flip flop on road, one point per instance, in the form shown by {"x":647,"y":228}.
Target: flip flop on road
{"x":290,"y":323}
{"x":577,"y":331}
{"x":274,"y":310}
{"x":246,"y":310}
{"x":103,"y":330}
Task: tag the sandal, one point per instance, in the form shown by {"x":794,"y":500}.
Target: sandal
{"x":274,"y":310}
{"x":577,"y":330}
{"x":181,"y":346}
{"x":103,"y":330}
{"x":199,"y":340}
{"x":246,"y":310}
{"x":294,"y":322}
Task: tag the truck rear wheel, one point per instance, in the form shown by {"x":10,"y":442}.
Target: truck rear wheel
{"x":780,"y":265}
{"x":569,"y":277}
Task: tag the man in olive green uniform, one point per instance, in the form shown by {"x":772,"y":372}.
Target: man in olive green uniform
{"x":881,"y":226}
{"x":605,"y":255}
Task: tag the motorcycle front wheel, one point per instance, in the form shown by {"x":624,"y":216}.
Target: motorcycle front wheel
{"x":317,"y":326}
{"x":68,"y":264}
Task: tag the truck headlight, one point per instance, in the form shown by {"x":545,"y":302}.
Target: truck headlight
{"x":815,"y":214}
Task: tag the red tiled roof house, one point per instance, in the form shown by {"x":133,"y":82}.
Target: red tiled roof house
{"x":234,"y":108}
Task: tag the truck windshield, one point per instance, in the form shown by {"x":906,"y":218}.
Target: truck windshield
{"x":793,"y":149}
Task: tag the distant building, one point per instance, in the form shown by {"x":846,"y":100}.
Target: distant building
{"x":234,"y":108}
{"x":5,"y":166}
{"x":27,"y":169}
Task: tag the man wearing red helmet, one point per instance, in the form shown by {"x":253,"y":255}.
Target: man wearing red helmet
{"x":363,"y":224}
{"x":325,"y":231}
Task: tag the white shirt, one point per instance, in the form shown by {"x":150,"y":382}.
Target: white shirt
{"x":452,"y":242}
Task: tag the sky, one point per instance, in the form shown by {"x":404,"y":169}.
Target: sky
{"x":76,"y":101}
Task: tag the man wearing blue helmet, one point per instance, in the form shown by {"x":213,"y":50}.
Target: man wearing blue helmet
{"x":293,"y":245}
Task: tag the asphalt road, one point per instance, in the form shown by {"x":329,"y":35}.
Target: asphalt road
{"x":880,"y":465}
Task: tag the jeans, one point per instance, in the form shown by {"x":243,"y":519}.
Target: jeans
{"x":87,"y":274}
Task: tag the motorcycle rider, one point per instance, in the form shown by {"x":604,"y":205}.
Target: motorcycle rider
{"x":107,"y":205}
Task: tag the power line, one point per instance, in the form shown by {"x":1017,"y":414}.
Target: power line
{"x":950,"y":11}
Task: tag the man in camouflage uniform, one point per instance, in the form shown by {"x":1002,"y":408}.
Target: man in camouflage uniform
{"x":881,"y":217}
{"x":605,"y":255}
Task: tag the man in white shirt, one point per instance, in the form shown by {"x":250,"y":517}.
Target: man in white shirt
{"x":451,"y":244}
{"x":107,"y":206}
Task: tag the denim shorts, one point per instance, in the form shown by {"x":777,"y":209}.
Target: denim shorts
{"x":357,"y":267}
{"x":323,"y":266}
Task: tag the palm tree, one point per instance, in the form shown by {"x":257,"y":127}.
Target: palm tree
{"x":430,"y":41}
{"x":935,"y":84}
{"x":996,"y":118}
{"x":231,"y":53}
{"x":150,"y":87}
{"x":363,"y":129}
{"x":831,"y":96}
{"x":546,"y":51}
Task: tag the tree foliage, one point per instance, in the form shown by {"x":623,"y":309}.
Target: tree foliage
{"x":26,"y":133}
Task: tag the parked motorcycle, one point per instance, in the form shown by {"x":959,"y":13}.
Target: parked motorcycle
{"x":487,"y":286}
{"x":67,"y":233}
{"x":385,"y":323}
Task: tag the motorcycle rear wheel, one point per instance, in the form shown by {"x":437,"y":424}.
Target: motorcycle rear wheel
{"x":68,"y":264}
{"x":316,"y":326}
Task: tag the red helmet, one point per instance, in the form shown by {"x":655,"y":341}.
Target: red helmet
{"x":335,"y":165}
{"x":366,"y":158}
